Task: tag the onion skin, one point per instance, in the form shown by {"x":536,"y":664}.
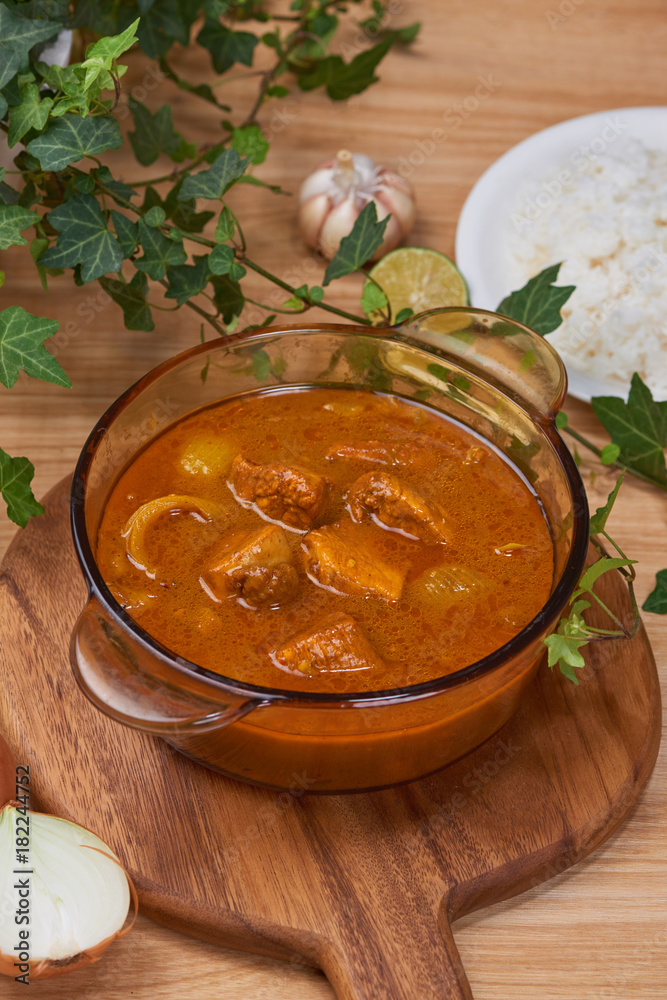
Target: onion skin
{"x":47,"y":968}
{"x":7,"y":773}
{"x":334,"y":194}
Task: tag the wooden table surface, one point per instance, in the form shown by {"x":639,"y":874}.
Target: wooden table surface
{"x":599,"y":931}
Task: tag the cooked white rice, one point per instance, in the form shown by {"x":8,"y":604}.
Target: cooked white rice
{"x":606,"y":219}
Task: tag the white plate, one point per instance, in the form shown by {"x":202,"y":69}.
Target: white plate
{"x":485,"y":222}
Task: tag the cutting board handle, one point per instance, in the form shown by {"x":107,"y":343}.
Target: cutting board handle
{"x":396,"y":955}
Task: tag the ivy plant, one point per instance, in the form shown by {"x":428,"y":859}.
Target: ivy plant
{"x":136,"y":239}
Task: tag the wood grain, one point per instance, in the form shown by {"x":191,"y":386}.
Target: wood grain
{"x":604,"y":923}
{"x":363,"y":886}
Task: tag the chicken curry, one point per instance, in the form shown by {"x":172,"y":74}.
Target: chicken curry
{"x":325,"y":539}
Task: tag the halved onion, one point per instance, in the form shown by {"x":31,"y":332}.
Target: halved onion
{"x":78,"y":896}
{"x":145,"y":516}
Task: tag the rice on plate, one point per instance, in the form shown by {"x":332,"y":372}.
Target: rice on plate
{"x":605,"y":217}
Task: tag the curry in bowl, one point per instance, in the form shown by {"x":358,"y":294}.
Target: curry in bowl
{"x":326,"y":539}
{"x":328,"y":555}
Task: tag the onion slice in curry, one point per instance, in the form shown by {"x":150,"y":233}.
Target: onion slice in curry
{"x":144,"y":517}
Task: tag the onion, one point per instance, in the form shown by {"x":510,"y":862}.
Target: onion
{"x":69,"y":899}
{"x":332,"y":197}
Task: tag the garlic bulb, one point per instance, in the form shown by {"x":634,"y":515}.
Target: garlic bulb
{"x":66,"y":894}
{"x":332,"y":197}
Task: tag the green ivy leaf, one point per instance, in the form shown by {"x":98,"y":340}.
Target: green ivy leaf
{"x":293,"y":302}
{"x":155,"y":217}
{"x":30,"y":113}
{"x":213,"y":182}
{"x":372,"y":298}
{"x":118,"y":190}
{"x":37,"y":248}
{"x":132,"y":298}
{"x":163,"y":23}
{"x":68,"y":82}
{"x":13,"y":219}
{"x":226,"y":46}
{"x":408,"y":33}
{"x":599,"y":518}
{"x":638,"y":427}
{"x":366,"y":236}
{"x":656,"y":602}
{"x":342,"y":79}
{"x":594,"y":572}
{"x":155,"y":134}
{"x":225,"y":227}
{"x":158,"y":252}
{"x":237,"y":271}
{"x":221,"y":259}
{"x":609,"y":454}
{"x":3,"y":108}
{"x":15,"y":478}
{"x":187,"y":280}
{"x":538,"y":304}
{"x":261,"y":364}
{"x":249,"y":141}
{"x":127,"y":233}
{"x":84,"y":239}
{"x":84,"y":183}
{"x":100,"y":55}
{"x":183,"y":213}
{"x":22,"y":337}
{"x":564,"y":651}
{"x":17,"y":37}
{"x":228,"y":297}
{"x":202,"y":90}
{"x":71,"y":138}
{"x":403,"y":314}
{"x":256,"y":182}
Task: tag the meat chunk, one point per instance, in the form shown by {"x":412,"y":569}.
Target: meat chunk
{"x":279,"y":492}
{"x":378,"y":452}
{"x":344,"y":564}
{"x":253,"y":566}
{"x":399,"y":508}
{"x":337,"y":645}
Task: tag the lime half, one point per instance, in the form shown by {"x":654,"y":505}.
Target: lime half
{"x":418,"y":278}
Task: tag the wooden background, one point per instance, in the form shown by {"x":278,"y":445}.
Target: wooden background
{"x":598,"y":932}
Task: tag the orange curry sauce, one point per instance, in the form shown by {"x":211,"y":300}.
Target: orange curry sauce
{"x":373,"y":601}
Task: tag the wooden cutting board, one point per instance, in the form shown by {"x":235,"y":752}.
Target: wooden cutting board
{"x":364,"y":886}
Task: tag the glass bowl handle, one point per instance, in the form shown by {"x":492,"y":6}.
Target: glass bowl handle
{"x":122,"y":679}
{"x":500,"y":350}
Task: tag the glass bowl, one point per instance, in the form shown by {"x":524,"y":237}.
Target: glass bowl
{"x":489,"y":373}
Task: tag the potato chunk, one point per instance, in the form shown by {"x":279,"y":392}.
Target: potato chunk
{"x":337,"y":645}
{"x":343,"y":564}
{"x":278,"y":492}
{"x":255,"y":567}
{"x":207,"y":455}
{"x":397,"y":507}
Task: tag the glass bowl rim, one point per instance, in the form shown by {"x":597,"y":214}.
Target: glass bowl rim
{"x":98,"y":589}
